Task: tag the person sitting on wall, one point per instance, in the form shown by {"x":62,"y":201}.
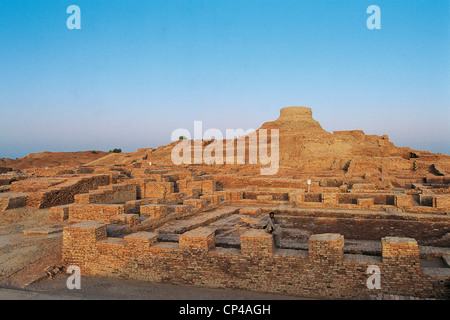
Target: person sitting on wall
{"x":272,"y":228}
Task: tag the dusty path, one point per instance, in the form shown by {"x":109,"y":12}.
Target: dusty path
{"x":128,"y":289}
{"x":24,"y":258}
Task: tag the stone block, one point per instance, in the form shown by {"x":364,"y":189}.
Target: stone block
{"x":256,"y":242}
{"x":201,"y":239}
{"x":155,"y":211}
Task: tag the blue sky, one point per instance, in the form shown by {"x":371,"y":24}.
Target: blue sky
{"x":137,"y":70}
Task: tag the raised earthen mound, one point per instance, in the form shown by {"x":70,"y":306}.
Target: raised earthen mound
{"x":51,"y":159}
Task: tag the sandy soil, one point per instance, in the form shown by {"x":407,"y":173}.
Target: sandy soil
{"x":127,"y":289}
{"x":50,"y":159}
{"x":24,"y":258}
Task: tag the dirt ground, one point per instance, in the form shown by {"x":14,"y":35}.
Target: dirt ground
{"x":24,"y":258}
{"x":97,"y":288}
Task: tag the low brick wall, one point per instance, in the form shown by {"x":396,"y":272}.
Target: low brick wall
{"x":155,"y":211}
{"x":65,"y":193}
{"x":234,"y":182}
{"x":379,"y":199}
{"x":158,"y":189}
{"x":117,"y":193}
{"x":94,"y":212}
{"x":12,"y":200}
{"x":278,"y":196}
{"x":59,"y":213}
{"x":323,"y":271}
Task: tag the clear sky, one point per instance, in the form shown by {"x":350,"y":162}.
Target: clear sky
{"x":137,"y":70}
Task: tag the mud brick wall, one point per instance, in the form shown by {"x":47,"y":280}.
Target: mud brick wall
{"x":178,"y":208}
{"x":134,"y":206}
{"x":329,"y":190}
{"x":401,"y":264}
{"x":379,"y":199}
{"x":208,"y":187}
{"x":403,"y":201}
{"x":59,"y":213}
{"x":236,"y":195}
{"x":257,"y":242}
{"x":172,"y":177}
{"x":231,"y":182}
{"x":94,"y":212}
{"x":159,"y":177}
{"x":277,"y":196}
{"x":126,"y":218}
{"x":156,"y":211}
{"x":158,"y":189}
{"x":252,"y":212}
{"x":35,"y":184}
{"x":367,"y":229}
{"x":226,"y":195}
{"x":51,"y":172}
{"x":196,"y":203}
{"x":436,"y":180}
{"x":79,"y":241}
{"x":426,"y":200}
{"x":85,"y":170}
{"x":140,"y":172}
{"x":114,"y":178}
{"x":264,"y":198}
{"x":108,"y":170}
{"x":359,"y":214}
{"x":200,"y":239}
{"x":297,"y":197}
{"x":156,"y":201}
{"x":12,"y":200}
{"x":330,"y":199}
{"x":324,"y":271}
{"x":193,"y":193}
{"x":213,"y":199}
{"x":441,"y":201}
{"x":358,"y":187}
{"x":181,"y":185}
{"x":313,"y":197}
{"x":176,"y":197}
{"x":65,"y":193}
{"x":276,"y":183}
{"x":140,"y":186}
{"x":194,"y":184}
{"x":191,"y":190}
{"x":237,"y":182}
{"x":365,"y":202}
{"x":327,"y":247}
{"x":117,"y":193}
{"x":141,"y":241}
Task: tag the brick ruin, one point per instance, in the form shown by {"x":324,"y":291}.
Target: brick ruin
{"x":139,"y":216}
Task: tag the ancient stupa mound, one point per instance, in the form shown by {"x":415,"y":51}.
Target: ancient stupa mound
{"x":294,"y":119}
{"x":305,"y":145}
